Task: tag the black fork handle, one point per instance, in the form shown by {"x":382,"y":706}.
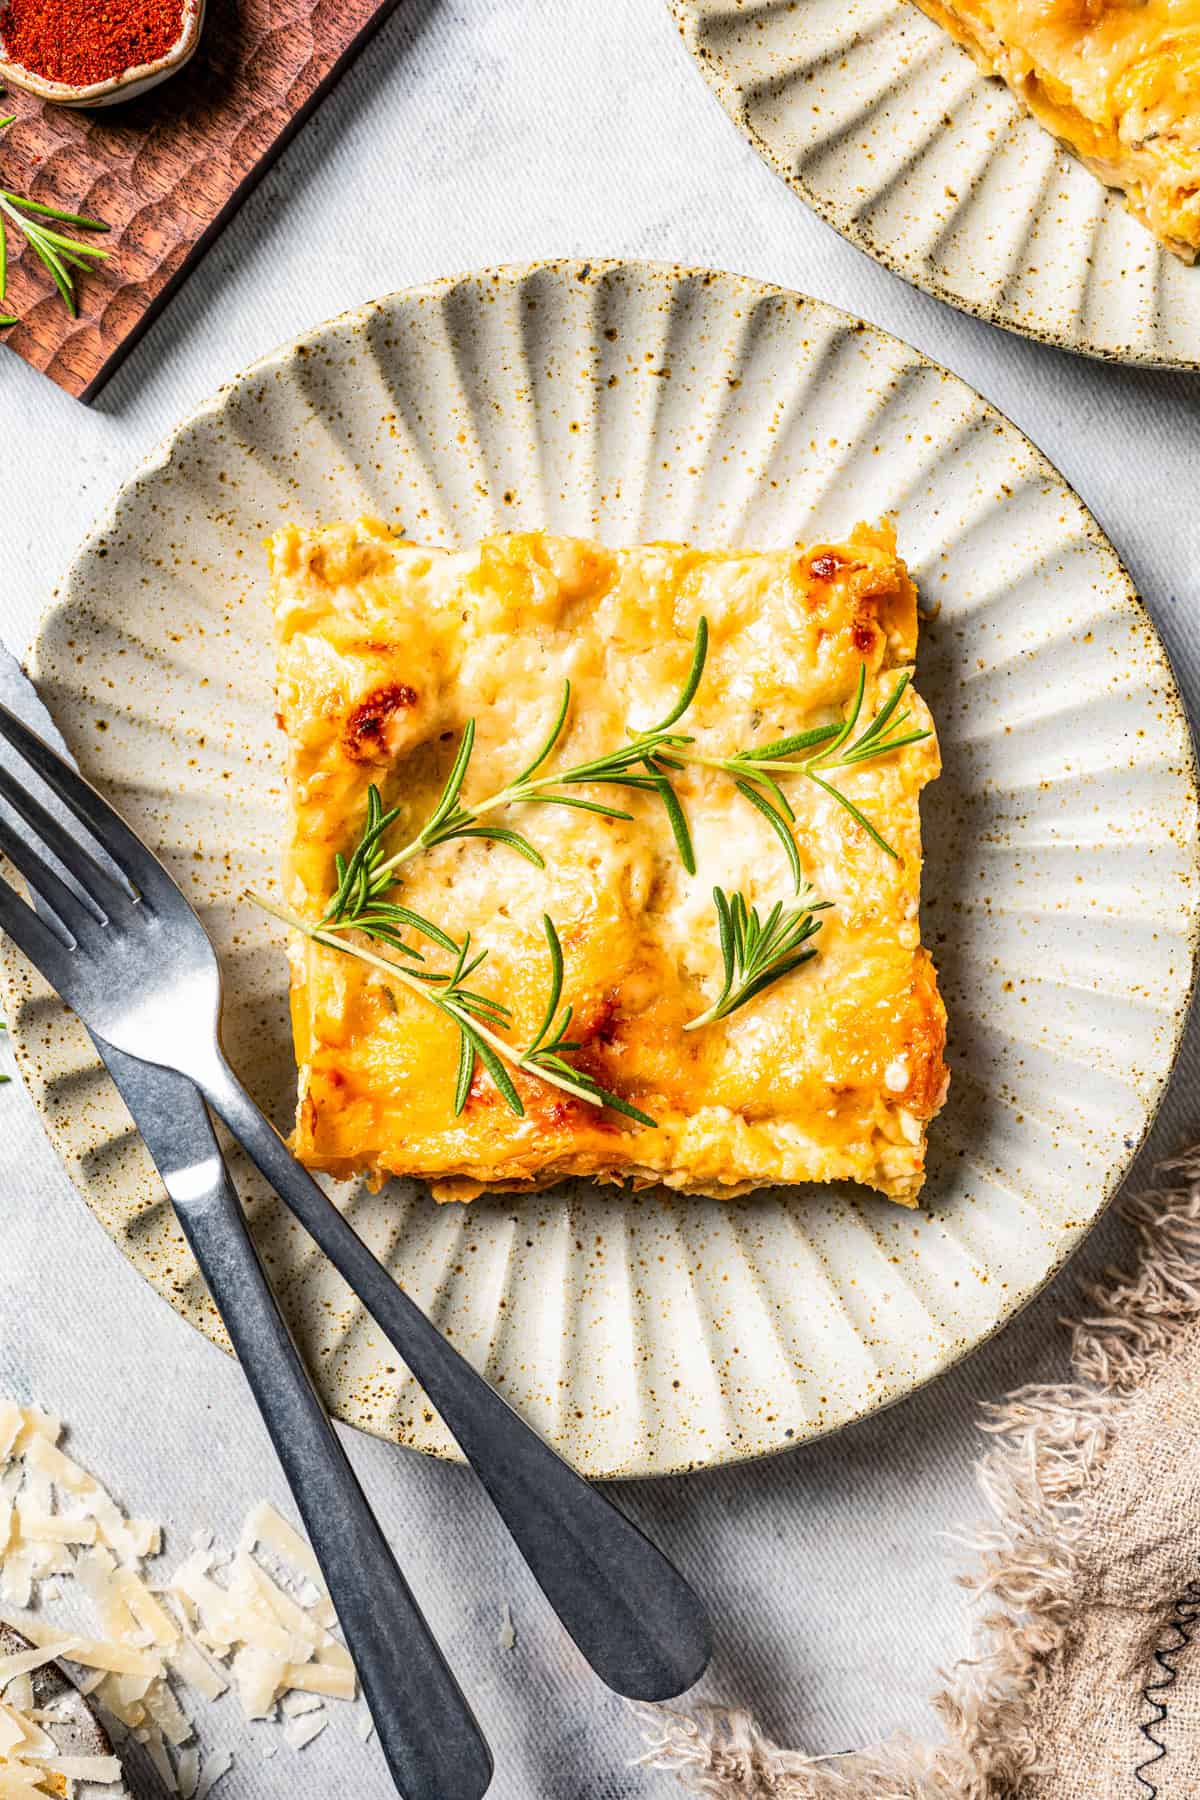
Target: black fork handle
{"x":428,"y":1734}
{"x":628,"y":1609}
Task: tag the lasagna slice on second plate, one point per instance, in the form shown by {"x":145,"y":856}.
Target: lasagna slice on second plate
{"x":1117,"y":80}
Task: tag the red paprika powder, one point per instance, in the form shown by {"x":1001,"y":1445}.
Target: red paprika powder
{"x":80,"y":42}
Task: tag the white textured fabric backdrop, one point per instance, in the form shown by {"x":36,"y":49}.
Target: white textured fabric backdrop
{"x":477,"y":131}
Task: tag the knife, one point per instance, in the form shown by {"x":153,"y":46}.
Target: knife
{"x":429,"y":1736}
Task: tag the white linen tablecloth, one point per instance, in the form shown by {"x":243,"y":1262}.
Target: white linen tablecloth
{"x":472,"y":132}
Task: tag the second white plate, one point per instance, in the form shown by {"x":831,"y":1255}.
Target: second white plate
{"x":647,"y":1333}
{"x":890,"y":131}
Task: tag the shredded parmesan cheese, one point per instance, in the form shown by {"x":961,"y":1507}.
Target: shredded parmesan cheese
{"x":104,"y":1769}
{"x":19,"y":1693}
{"x":296,"y":1702}
{"x":321,"y":1678}
{"x":45,"y":1528}
{"x":31,"y":1763}
{"x":259,"y":1675}
{"x":188,"y":1771}
{"x":267,"y":1630}
{"x":302,"y":1731}
{"x":16,"y":1577}
{"x":215,"y":1766}
{"x":265,"y":1526}
{"x":197,"y":1668}
{"x":24,"y":1660}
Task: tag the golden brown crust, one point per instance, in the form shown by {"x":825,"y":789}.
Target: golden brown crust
{"x":387,"y":649}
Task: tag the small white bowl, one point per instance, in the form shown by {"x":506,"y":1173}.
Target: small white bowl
{"x":118,"y":88}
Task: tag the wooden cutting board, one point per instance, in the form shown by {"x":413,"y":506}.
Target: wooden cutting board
{"x":165,"y":171}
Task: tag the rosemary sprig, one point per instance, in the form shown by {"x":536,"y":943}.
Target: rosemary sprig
{"x":547,"y":1053}
{"x":360,"y":902}
{"x":61,"y":255}
{"x":477,"y":1015}
{"x":756,"y":771}
{"x":757,"y":952}
{"x":644,"y":764}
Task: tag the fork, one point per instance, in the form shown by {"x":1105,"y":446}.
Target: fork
{"x":430,"y":1738}
{"x":130,"y":956}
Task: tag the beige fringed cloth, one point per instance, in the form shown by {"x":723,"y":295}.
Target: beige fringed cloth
{"x":1082,"y":1675}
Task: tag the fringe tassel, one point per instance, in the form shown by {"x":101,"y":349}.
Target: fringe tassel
{"x":1049,"y":1447}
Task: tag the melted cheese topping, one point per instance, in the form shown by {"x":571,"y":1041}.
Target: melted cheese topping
{"x":388,"y":649}
{"x":1117,"y":80}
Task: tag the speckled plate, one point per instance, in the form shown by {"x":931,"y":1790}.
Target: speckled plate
{"x":646,"y":1333}
{"x":894,"y":135}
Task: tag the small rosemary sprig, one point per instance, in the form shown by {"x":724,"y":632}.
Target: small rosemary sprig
{"x":547,"y":1053}
{"x":360,"y":901}
{"x":477,"y":1015}
{"x":757,"y":952}
{"x":755,"y":771}
{"x":642,"y":764}
{"x":60,"y":254}
{"x":5,"y":318}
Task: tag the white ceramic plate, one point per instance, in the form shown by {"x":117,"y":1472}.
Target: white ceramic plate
{"x":890,"y":131}
{"x":647,"y":1333}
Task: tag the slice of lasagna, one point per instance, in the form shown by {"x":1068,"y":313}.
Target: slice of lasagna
{"x":1117,"y":80}
{"x":390,"y":652}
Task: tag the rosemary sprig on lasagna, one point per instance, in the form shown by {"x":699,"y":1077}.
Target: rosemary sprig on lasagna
{"x":646,"y":764}
{"x":756,"y":771}
{"x":546,"y":1055}
{"x":478,"y":1018}
{"x":640,"y":765}
{"x":758,"y":952}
